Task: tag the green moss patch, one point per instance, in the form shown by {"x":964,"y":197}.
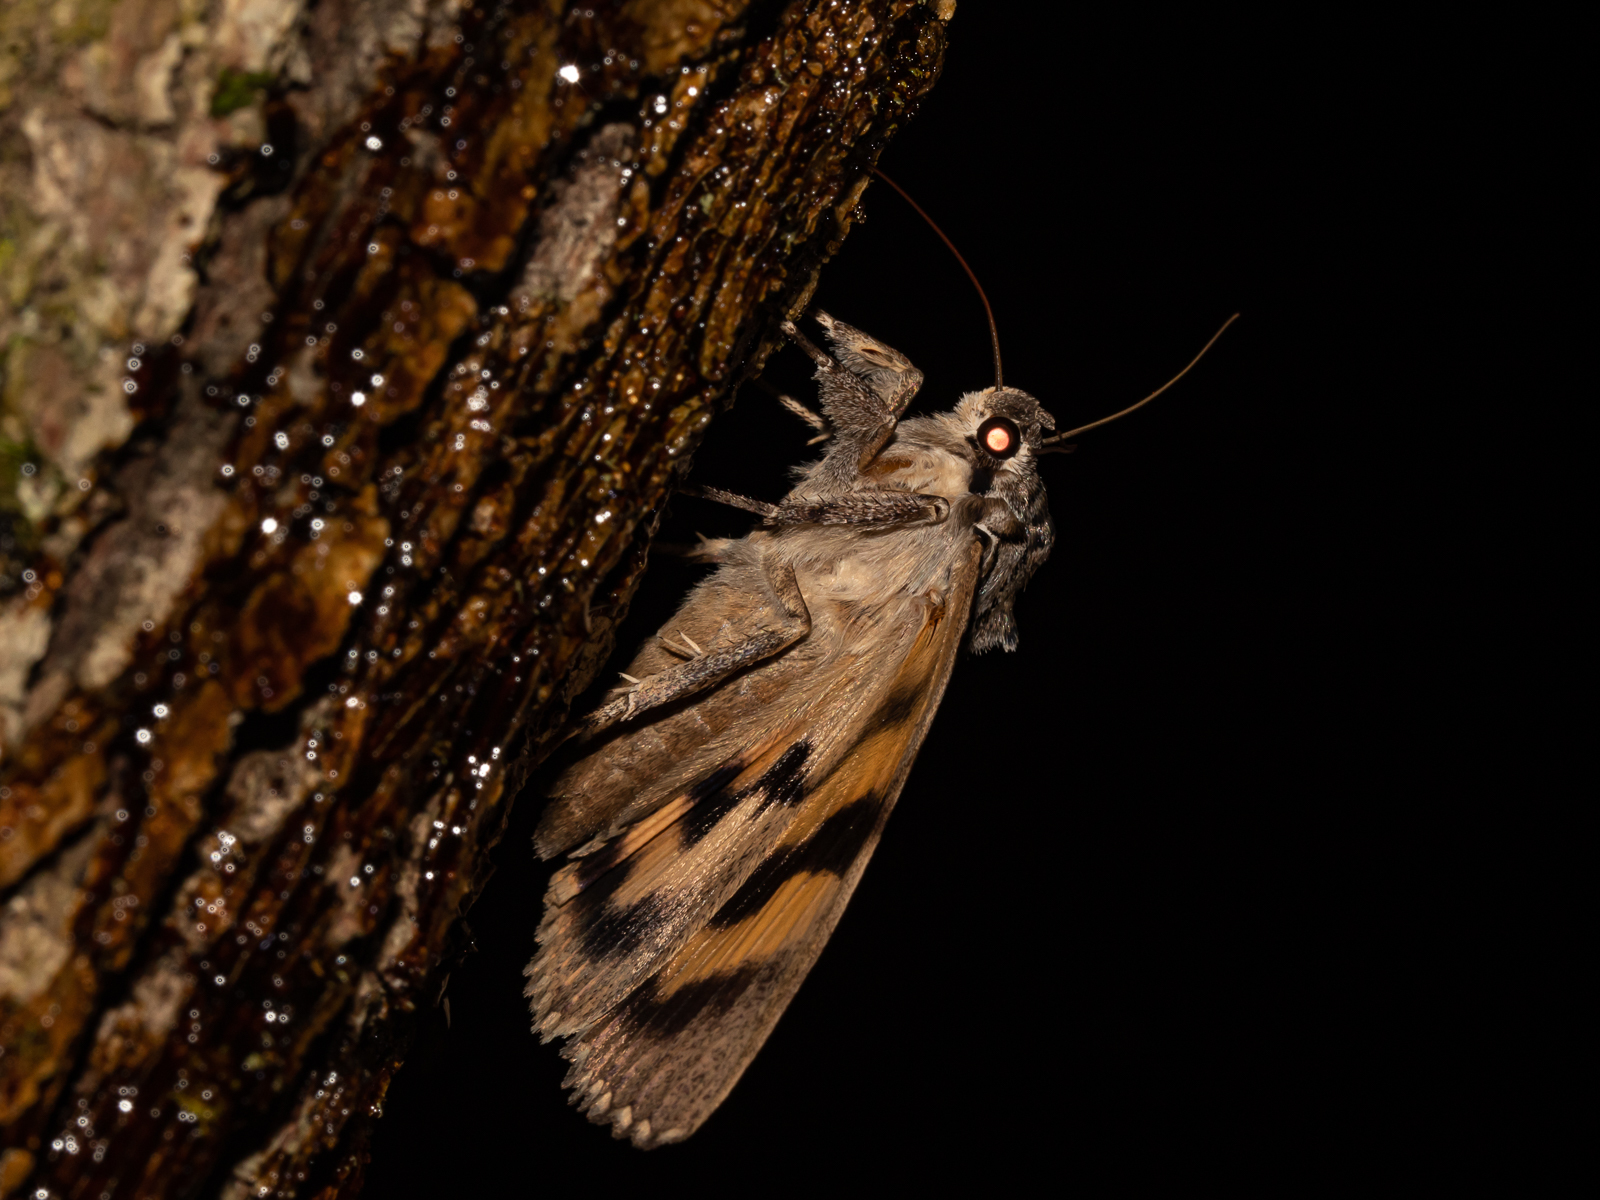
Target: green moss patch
{"x":237,"y":89}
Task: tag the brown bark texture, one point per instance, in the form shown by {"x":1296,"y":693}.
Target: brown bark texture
{"x":349,"y":350}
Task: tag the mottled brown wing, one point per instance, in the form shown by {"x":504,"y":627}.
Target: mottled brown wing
{"x":656,"y":1046}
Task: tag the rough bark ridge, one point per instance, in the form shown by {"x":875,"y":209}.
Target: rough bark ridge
{"x":349,"y":350}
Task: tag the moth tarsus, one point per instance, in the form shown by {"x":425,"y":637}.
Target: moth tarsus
{"x":718,"y":830}
{"x":812,"y":418}
{"x":732,"y":499}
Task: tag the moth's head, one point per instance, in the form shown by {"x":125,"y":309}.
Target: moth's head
{"x":1002,"y":431}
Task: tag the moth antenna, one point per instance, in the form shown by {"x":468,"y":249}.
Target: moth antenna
{"x":994,"y":333}
{"x":1061,"y":437}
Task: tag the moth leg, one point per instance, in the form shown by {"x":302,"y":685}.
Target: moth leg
{"x":628,"y":689}
{"x":862,"y":421}
{"x":712,"y":667}
{"x":882,"y":507}
{"x":731,"y":499}
{"x":886,"y":371}
{"x":814,"y":419}
{"x":996,"y":523}
{"x":998,"y":519}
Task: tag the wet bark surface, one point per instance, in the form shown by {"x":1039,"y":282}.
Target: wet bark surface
{"x":285,"y":632}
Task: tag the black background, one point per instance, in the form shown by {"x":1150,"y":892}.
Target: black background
{"x":1212,"y":881}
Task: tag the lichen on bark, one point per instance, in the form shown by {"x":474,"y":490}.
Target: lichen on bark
{"x":456,"y":299}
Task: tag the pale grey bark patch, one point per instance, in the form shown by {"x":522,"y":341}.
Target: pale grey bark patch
{"x":579,"y":227}
{"x":24,"y":634}
{"x":230,"y":308}
{"x":36,"y":934}
{"x":151,"y":1010}
{"x":137,"y":568}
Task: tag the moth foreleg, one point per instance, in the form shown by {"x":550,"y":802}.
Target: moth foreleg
{"x":996,"y":523}
{"x":862,"y":421}
{"x":885,"y":507}
{"x":999,"y":519}
{"x":814,"y":419}
{"x":761,"y":641}
{"x":887,"y":372}
{"x":814,"y":352}
{"x":731,"y":499}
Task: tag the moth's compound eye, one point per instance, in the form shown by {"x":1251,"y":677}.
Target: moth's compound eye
{"x":999,"y":437}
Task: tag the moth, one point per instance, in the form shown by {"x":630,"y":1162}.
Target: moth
{"x":736,"y":789}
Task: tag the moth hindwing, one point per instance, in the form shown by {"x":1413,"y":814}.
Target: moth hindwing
{"x":714,"y":843}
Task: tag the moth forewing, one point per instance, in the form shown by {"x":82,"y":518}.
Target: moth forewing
{"x":742,"y":782}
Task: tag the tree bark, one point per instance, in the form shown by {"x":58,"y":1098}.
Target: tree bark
{"x":351,"y":350}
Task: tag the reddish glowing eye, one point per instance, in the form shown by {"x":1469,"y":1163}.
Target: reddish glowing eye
{"x":999,"y":437}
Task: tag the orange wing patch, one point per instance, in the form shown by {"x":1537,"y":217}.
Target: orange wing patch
{"x":778,"y":925}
